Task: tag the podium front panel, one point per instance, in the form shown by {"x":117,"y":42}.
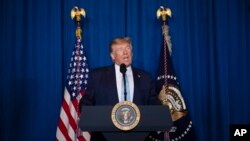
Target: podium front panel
{"x":98,"y":118}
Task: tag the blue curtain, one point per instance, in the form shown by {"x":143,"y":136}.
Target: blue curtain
{"x":210,"y":38}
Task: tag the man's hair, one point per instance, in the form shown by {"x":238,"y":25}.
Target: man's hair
{"x":120,"y":40}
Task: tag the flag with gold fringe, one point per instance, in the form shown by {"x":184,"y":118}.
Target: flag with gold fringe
{"x":170,"y":94}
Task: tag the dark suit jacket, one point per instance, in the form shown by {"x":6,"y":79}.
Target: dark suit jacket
{"x":102,"y":90}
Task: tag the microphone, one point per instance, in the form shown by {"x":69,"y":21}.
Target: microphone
{"x":123,"y":70}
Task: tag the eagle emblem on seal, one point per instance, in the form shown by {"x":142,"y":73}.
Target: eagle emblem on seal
{"x":170,"y":96}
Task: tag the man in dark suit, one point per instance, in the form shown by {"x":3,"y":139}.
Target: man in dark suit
{"x":105,"y":85}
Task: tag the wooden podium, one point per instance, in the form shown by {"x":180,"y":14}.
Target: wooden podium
{"x":98,"y":118}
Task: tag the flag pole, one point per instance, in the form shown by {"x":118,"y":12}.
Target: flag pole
{"x":170,"y":94}
{"x":76,"y":14}
{"x":68,"y":128}
{"x":164,"y":13}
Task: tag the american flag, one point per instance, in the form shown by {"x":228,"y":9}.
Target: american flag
{"x":68,"y":129}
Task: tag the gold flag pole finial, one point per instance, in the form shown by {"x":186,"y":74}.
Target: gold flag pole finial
{"x":163,"y":13}
{"x":77,"y":13}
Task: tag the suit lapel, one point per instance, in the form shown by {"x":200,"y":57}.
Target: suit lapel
{"x":112,"y":89}
{"x":136,"y":76}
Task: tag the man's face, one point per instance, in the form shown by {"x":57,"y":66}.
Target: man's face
{"x":122,"y":53}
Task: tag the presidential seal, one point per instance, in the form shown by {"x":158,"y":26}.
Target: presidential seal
{"x":125,"y":115}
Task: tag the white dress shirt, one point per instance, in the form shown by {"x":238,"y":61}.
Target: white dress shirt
{"x":119,"y":82}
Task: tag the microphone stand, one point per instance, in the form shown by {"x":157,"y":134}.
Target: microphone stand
{"x":125,"y":90}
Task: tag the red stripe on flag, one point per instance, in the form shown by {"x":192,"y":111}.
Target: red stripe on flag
{"x":64,"y":130}
{"x":72,"y":121}
{"x":81,"y":138}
